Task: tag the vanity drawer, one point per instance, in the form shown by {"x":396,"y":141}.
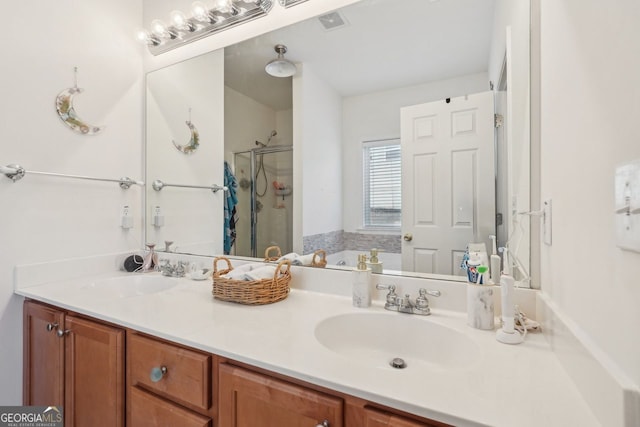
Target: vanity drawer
{"x":187,"y":373}
{"x":148,"y":410}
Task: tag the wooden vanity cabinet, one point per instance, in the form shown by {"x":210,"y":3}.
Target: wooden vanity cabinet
{"x":168,"y":384}
{"x":377,"y":418}
{"x":250,"y":399}
{"x":79,"y":363}
{"x":76,"y":363}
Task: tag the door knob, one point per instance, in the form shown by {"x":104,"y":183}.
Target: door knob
{"x":408,"y":237}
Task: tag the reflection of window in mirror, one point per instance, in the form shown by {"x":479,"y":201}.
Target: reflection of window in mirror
{"x":382,"y":192}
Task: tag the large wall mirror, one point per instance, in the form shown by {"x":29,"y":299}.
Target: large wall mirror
{"x":385,"y":137}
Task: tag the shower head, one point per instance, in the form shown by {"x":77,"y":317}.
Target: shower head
{"x":262,"y":144}
{"x":273,"y":133}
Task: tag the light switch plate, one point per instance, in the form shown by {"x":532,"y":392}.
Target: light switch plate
{"x":546,"y":222}
{"x":627,"y":206}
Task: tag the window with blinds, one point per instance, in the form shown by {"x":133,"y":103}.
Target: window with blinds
{"x":382,"y":184}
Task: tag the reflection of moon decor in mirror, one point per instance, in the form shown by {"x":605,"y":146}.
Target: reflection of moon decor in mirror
{"x":67,"y":112}
{"x":194,"y":142}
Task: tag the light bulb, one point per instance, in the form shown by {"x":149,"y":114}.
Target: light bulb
{"x":201,"y":13}
{"x":143,"y":36}
{"x":180,"y":21}
{"x":224,"y":6}
{"x":158,"y":28}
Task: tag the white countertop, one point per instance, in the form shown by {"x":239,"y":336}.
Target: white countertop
{"x":521,"y":385}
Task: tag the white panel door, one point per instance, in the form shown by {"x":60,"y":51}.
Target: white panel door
{"x":448,"y":181}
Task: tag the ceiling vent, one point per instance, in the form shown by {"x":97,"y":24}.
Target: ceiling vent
{"x":332,"y":21}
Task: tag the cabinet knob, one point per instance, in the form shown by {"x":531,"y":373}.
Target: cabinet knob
{"x":61,"y":333}
{"x":51,"y":326}
{"x":325,"y":423}
{"x":157,"y":373}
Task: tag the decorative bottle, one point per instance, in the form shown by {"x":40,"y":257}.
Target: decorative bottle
{"x":362,"y":283}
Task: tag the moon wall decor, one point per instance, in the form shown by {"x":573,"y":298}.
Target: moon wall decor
{"x":67,"y":112}
{"x":193,"y":143}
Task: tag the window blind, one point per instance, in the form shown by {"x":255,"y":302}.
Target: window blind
{"x":382,"y":184}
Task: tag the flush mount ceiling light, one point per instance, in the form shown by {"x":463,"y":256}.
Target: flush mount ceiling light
{"x":204,"y":21}
{"x":280,"y":67}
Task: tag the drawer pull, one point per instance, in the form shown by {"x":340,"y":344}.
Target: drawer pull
{"x":157,"y":373}
{"x":61,"y":333}
{"x":325,"y":423}
{"x":51,"y":326}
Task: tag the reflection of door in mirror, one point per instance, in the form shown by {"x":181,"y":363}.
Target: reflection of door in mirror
{"x":449,"y":183}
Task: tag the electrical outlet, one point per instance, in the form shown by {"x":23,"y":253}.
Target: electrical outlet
{"x":157,"y":219}
{"x":126,"y":218}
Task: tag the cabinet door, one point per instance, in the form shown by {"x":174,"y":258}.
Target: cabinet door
{"x":375,"y":418}
{"x":249,"y":399}
{"x":94,"y":368}
{"x":43,"y":374}
{"x":148,"y":410}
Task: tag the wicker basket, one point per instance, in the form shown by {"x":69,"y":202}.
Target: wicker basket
{"x":255,"y":292}
{"x":319,"y":259}
{"x":269,"y":257}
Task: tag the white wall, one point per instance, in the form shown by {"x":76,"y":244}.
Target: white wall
{"x":46,"y":218}
{"x":590,"y":80}
{"x":376,"y":116}
{"x":193,"y":217}
{"x":317,"y":124}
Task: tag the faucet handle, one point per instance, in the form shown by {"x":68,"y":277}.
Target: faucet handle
{"x":422,"y":303}
{"x":390,"y":288}
{"x":392,"y":297}
{"x":423,"y":292}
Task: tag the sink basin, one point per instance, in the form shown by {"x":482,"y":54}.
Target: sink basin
{"x":130,"y":286}
{"x":378,"y":338}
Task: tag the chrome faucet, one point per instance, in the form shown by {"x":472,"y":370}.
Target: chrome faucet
{"x":405,"y":305}
{"x":171,"y":270}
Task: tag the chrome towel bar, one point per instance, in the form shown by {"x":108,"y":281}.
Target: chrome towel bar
{"x":17,"y":172}
{"x":159,"y":185}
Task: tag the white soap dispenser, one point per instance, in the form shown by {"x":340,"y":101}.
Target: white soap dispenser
{"x":374,"y":264}
{"x":362,"y":283}
{"x":507,"y":334}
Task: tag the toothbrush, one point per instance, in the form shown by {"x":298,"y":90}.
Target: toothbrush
{"x":481,"y":270}
{"x":494,"y":263}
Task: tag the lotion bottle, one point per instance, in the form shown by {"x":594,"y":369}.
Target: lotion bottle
{"x":362,"y":283}
{"x":508,"y":333}
{"x":374,"y":264}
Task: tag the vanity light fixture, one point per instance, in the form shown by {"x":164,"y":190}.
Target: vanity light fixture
{"x":204,"y":21}
{"x":289,"y":3}
{"x":280,"y":67}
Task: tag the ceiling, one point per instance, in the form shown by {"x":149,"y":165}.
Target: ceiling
{"x":385,"y":44}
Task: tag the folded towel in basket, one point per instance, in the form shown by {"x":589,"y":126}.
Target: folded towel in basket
{"x":266,"y":272}
{"x":293,"y":257}
{"x":296,"y":259}
{"x":306,"y":260}
{"x":239,"y":272}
